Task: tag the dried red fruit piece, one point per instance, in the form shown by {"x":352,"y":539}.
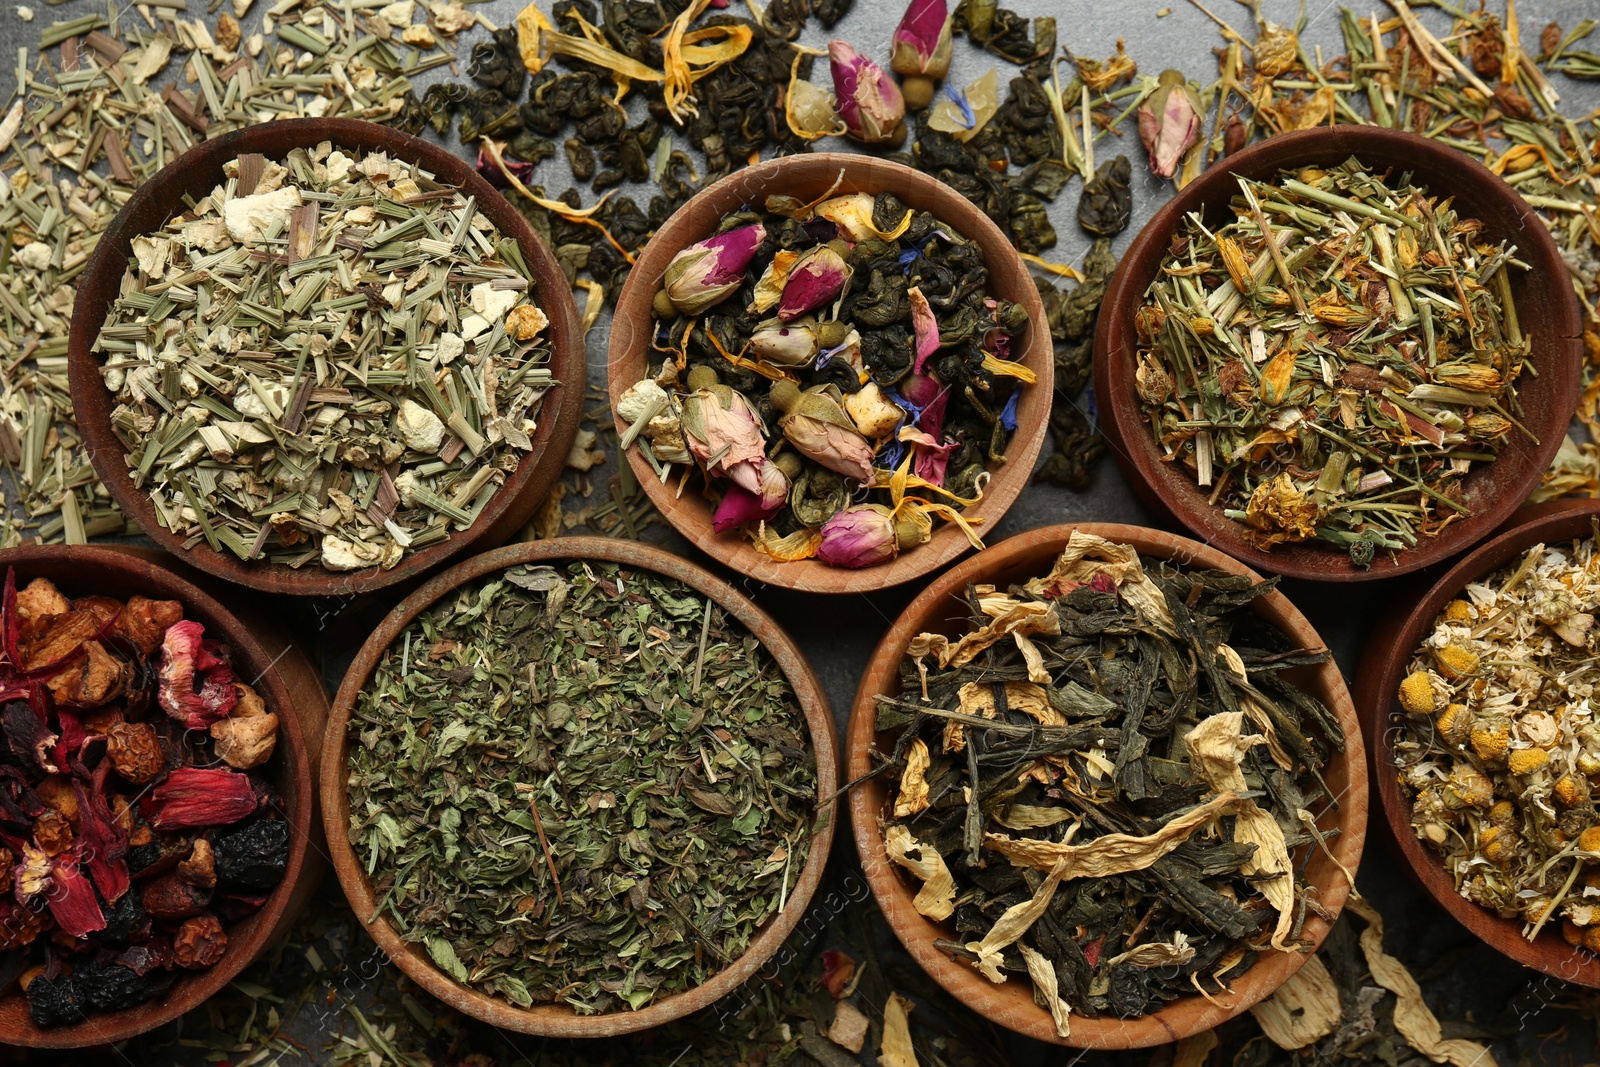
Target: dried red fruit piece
{"x":184,"y":656}
{"x":169,"y":898}
{"x":142,"y":959}
{"x":20,"y":924}
{"x":145,"y":622}
{"x":135,"y":751}
{"x":194,"y":797}
{"x":72,"y":899}
{"x":200,"y":942}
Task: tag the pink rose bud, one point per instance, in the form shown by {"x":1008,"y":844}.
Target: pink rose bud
{"x":864,"y":535}
{"x":920,"y":52}
{"x":496,"y":172}
{"x":815,"y":279}
{"x":869,"y":102}
{"x":724,"y":434}
{"x":1169,"y":122}
{"x":784,"y":345}
{"x":739,"y":506}
{"x":710,"y":271}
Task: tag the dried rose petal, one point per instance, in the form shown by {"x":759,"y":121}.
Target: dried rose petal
{"x":925,"y":326}
{"x":197,"y":797}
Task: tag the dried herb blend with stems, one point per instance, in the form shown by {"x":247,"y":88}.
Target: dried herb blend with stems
{"x":134,"y":822}
{"x":838,"y":372}
{"x":1334,"y":360}
{"x":1101,"y":782}
{"x":1499,"y":748}
{"x":583,"y":785}
{"x":334,"y":358}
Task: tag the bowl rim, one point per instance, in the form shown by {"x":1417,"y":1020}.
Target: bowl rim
{"x":1383,"y":665}
{"x":192,"y":988}
{"x":1157,"y":483}
{"x":893,"y":894}
{"x":507,"y":510}
{"x":859,"y":173}
{"x":559,"y":1020}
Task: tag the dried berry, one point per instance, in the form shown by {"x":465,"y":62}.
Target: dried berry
{"x":142,"y":959}
{"x":127,"y":921}
{"x":169,"y":898}
{"x":200,"y":943}
{"x":256,"y":856}
{"x":114,"y":988}
{"x":135,"y":751}
{"x":56,"y":1002}
{"x":53,"y":833}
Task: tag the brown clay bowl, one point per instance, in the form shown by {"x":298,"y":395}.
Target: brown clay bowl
{"x":286,"y":680}
{"x":196,"y":173}
{"x":808,"y":177}
{"x":939,"y":608}
{"x":1388,"y":652}
{"x":1546,"y":307}
{"x":559,"y":1020}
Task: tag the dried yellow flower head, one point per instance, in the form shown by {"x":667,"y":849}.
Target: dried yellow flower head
{"x":1454,"y":723}
{"x":1504,"y":813}
{"x":1471,"y":788}
{"x":1455,"y":662}
{"x":1527,"y":760}
{"x":1490,"y":738}
{"x":1571,"y":932}
{"x":1416,"y":693}
{"x":1588,"y":763}
{"x":1589,"y":840}
{"x":1458,"y":611}
{"x":1591,"y":938}
{"x":1498,"y":845}
{"x":1570,"y":790}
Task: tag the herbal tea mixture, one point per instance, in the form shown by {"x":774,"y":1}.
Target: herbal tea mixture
{"x":1100,"y":783}
{"x":857,"y":332}
{"x":583,"y":784}
{"x":1499,"y":744}
{"x":134,"y":821}
{"x":335,"y":358}
{"x":1357,"y":428}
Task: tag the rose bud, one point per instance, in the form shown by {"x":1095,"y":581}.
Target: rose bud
{"x":920,"y":52}
{"x":739,"y":506}
{"x":723,"y":432}
{"x":864,"y":535}
{"x":820,"y":429}
{"x":785,"y":345}
{"x":1169,"y":122}
{"x":869,"y":102}
{"x":709,"y":271}
{"x":816,"y":278}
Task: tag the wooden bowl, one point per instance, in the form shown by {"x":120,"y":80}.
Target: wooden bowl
{"x":195,"y":174}
{"x":559,"y":1020}
{"x":290,"y":686}
{"x":809,"y":177}
{"x":1546,"y":306}
{"x":939,"y":608}
{"x":1389,"y":650}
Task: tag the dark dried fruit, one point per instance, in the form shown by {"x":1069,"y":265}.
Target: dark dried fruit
{"x":135,"y":751}
{"x":127,"y":921}
{"x":114,"y":988}
{"x":142,"y":959}
{"x":55,"y":1002}
{"x":256,"y":856}
{"x":201,"y":942}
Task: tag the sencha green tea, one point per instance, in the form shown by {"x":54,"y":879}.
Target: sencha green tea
{"x":1334,"y":360}
{"x":585,"y":784}
{"x":1101,"y":782}
{"x":332,"y":358}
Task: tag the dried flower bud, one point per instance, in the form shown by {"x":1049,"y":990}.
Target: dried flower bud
{"x":1487,"y":426}
{"x":1474,"y":377}
{"x":135,"y":752}
{"x":1416,"y":693}
{"x":1277,"y":49}
{"x":1498,"y":845}
{"x":864,"y":535}
{"x":1491,"y":736}
{"x":1169,"y":122}
{"x":785,"y":345}
{"x":816,"y":278}
{"x":920,"y":50}
{"x":869,"y":102}
{"x":1455,"y":662}
{"x":1549,"y":39}
{"x":820,"y":429}
{"x":708,"y":272}
{"x":1454,"y":724}
{"x":200,"y":942}
{"x":1589,"y":840}
{"x":739,"y":506}
{"x":1458,"y":611}
{"x":1570,"y":790}
{"x":1469,"y":788}
{"x":724,"y":434}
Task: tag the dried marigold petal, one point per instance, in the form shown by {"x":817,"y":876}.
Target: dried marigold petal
{"x":1455,"y":662}
{"x":1416,"y":693}
{"x":201,"y":942}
